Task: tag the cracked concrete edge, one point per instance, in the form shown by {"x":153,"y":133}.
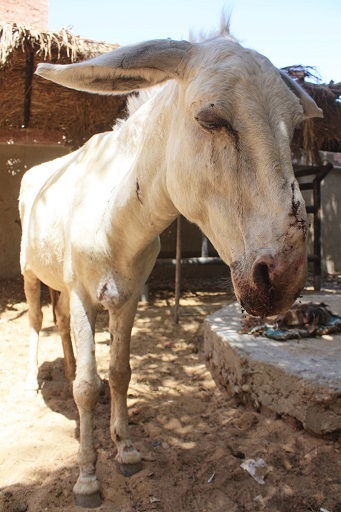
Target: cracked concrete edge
{"x":315,"y":406}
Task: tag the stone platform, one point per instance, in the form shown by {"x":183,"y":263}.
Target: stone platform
{"x":297,"y":378}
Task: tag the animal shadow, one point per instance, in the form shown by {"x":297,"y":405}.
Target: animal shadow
{"x":56,"y":390}
{"x":57,"y":393}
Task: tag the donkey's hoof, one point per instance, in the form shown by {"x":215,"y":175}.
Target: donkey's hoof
{"x":129,"y":469}
{"x":88,"y":500}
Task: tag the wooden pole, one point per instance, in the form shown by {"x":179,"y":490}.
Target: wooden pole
{"x":28,"y":86}
{"x":177,"y":270}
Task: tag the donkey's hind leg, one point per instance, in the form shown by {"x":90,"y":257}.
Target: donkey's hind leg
{"x":61,"y":314}
{"x":35,"y":318}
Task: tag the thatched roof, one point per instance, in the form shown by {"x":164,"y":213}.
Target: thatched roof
{"x":36,"y":110}
{"x":318,"y":134}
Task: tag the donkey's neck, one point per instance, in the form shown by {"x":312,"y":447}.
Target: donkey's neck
{"x":140,"y":206}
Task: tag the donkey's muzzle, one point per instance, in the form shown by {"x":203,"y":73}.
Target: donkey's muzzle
{"x":272,"y":284}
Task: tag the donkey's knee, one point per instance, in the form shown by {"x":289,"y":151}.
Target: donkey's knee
{"x":119,"y":380}
{"x":86,"y":392}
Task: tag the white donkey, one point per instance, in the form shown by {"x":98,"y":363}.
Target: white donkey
{"x":214,"y":145}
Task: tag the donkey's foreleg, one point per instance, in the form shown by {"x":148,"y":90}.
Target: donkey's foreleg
{"x":121,"y":322}
{"x":86,"y":389}
{"x":35,"y":318}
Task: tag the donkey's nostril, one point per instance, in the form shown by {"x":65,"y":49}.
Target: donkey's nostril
{"x":261,"y":275}
{"x":272,"y":284}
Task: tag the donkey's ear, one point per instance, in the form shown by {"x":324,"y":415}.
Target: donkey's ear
{"x":124,"y":70}
{"x":309,"y":106}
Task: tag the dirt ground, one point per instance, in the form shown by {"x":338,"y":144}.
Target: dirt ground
{"x":192,"y":435}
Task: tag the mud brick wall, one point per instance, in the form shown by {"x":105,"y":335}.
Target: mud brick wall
{"x":32,"y":13}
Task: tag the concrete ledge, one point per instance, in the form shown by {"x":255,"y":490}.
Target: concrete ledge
{"x":297,"y":378}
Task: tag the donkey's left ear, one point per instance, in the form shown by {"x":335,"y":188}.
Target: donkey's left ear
{"x":309,"y":106}
{"x":124,"y":70}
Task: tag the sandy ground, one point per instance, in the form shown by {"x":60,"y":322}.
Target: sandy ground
{"x":193,"y":437}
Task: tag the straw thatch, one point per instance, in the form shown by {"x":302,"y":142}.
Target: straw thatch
{"x":318,"y":134}
{"x":38,"y":110}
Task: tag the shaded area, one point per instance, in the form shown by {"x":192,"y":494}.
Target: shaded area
{"x":193,"y":438}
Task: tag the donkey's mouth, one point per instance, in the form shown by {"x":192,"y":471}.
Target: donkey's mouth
{"x":272,"y":284}
{"x":270,"y":303}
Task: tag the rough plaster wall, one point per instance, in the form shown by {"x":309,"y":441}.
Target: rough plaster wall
{"x":32,"y":13}
{"x":331,"y":221}
{"x":15,"y":159}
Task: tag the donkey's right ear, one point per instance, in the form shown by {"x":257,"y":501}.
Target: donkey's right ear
{"x":124,"y":70}
{"x":309,"y":106}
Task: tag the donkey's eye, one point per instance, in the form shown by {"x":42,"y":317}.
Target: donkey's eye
{"x":211,"y":121}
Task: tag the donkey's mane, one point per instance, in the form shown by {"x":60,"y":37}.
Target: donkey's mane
{"x":135,"y":101}
{"x":222,"y":31}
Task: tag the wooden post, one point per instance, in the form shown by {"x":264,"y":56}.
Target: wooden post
{"x":177,"y":270}
{"x":204,"y":246}
{"x":317,"y":236}
{"x":29,"y":69}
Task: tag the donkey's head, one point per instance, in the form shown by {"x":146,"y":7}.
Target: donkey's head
{"x":227,"y":126}
{"x":230,"y":151}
